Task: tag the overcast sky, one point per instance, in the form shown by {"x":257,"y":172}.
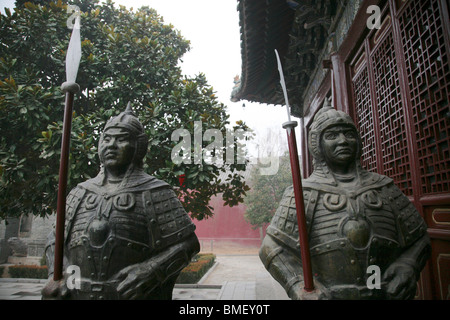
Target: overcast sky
{"x":212,"y":27}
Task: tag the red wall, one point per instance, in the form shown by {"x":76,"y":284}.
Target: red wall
{"x":228,"y":223}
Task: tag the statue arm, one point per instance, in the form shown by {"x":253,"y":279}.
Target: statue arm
{"x":160,"y":270}
{"x":281,"y":263}
{"x":285,"y":266}
{"x":58,"y":289}
{"x":50,"y":253}
{"x":412,"y":233}
{"x":416,"y":255}
{"x":169,"y":263}
{"x":73,"y":199}
{"x":402,"y":275}
{"x":54,"y":289}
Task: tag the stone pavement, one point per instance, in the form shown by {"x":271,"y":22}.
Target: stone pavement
{"x":20,"y":289}
{"x":233,"y":277}
{"x":243,"y":277}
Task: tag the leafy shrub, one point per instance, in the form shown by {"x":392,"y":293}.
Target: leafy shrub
{"x":23,"y":271}
{"x":200,"y":264}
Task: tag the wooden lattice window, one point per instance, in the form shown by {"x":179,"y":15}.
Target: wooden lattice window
{"x":393,"y":139}
{"x":421,"y":111}
{"x":364,"y":113}
{"x":428,"y":78}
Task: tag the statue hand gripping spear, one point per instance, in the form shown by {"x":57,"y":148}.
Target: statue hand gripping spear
{"x":298,"y":190}
{"x":70,"y":88}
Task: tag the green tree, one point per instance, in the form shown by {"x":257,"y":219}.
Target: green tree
{"x":127,"y":56}
{"x":266,"y":192}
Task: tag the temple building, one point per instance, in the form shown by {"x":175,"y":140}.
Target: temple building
{"x":385,"y":63}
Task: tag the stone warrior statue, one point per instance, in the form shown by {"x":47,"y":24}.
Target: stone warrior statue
{"x":125,"y":230}
{"x":355,"y":219}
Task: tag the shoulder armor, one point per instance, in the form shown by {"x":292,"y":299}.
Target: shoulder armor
{"x":410,"y":223}
{"x":283,"y":226}
{"x":72,"y":202}
{"x":169,"y":222}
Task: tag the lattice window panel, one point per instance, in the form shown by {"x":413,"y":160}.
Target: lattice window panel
{"x":395,"y":159}
{"x":428,"y":79}
{"x":364,"y":118}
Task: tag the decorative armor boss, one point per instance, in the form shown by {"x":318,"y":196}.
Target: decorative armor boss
{"x":126,"y":231}
{"x":355,"y":219}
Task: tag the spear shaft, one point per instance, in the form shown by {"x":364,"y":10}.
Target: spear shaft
{"x":70,"y":88}
{"x":298,"y":190}
{"x":62,"y":187}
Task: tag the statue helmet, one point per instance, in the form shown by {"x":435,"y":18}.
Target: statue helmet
{"x":325,"y":118}
{"x":128,"y":121}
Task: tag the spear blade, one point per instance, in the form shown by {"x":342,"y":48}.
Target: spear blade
{"x":283,"y":84}
{"x":73,"y":56}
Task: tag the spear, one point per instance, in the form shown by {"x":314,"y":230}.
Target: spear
{"x":298,"y":190}
{"x":70,"y":88}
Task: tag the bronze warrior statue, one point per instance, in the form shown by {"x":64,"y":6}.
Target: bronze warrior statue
{"x":125,"y":230}
{"x":355,"y":219}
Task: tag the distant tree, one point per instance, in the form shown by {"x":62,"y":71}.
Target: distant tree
{"x":266,"y":192}
{"x":126,"y":56}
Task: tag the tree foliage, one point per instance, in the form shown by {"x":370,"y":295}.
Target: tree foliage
{"x":127,"y":55}
{"x":266,"y":192}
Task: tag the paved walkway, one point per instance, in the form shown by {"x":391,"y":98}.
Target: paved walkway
{"x":233,"y":277}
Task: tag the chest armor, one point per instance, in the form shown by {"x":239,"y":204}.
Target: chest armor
{"x":349,"y":229}
{"x":106,"y":233}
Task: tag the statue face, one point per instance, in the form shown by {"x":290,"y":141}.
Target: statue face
{"x":117,"y":149}
{"x":339,"y":145}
